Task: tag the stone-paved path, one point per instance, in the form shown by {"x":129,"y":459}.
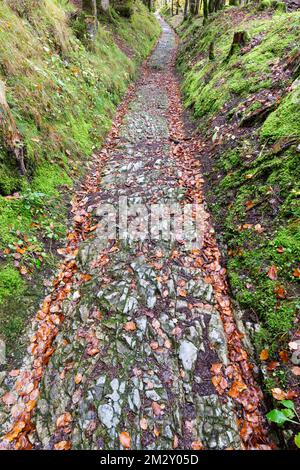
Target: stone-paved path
{"x":132,"y":361}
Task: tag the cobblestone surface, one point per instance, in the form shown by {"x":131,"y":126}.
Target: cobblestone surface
{"x":134,"y":352}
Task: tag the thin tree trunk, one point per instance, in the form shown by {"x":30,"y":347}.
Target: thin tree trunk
{"x":9,"y":132}
{"x":186,"y":9}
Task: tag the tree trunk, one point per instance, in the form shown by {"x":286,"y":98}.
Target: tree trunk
{"x":9,"y":133}
{"x":211,"y":51}
{"x":193,"y":7}
{"x":186,"y":9}
{"x":90,"y":9}
{"x":240,"y":39}
{"x":205,"y":10}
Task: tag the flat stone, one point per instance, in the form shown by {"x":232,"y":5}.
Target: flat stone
{"x":106,"y":413}
{"x":188,"y":354}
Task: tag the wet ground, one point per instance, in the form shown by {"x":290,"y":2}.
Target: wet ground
{"x":131,"y":363}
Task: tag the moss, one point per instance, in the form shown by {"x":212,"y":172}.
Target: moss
{"x":254,"y":187}
{"x":285,"y":121}
{"x":208,"y":87}
{"x":11,"y":283}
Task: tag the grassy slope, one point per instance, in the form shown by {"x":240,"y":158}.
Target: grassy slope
{"x":63,"y":96}
{"x":253,"y":172}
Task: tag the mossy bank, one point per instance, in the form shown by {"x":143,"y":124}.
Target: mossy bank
{"x":245,"y":101}
{"x":62,"y":91}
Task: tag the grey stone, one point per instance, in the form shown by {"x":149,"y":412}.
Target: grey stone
{"x":188,"y":354}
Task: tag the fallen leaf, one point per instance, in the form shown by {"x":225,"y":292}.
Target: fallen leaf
{"x":62,"y":445}
{"x":264,"y":355}
{"x":236,"y":388}
{"x":64,"y":420}
{"x":175,"y":442}
{"x":9,"y":398}
{"x":125,"y":439}
{"x":130,"y":326}
{"x":272,"y":272}
{"x":144,"y":423}
{"x":280,"y":292}
{"x":295,"y":370}
{"x":196,"y":445}
{"x":278,"y":394}
{"x":78,"y":378}
{"x":156,"y":408}
{"x":216,"y":368}
{"x":284,"y":356}
{"x":296,"y":273}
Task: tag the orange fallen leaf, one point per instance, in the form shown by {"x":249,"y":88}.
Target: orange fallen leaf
{"x":278,"y":394}
{"x":249,"y":205}
{"x":197,"y":445}
{"x":280,"y":292}
{"x":264,"y":355}
{"x":144,"y":423}
{"x":273,"y":365}
{"x":78,"y":378}
{"x":236,"y":388}
{"x":125,"y":439}
{"x":16,"y":430}
{"x":284,"y":356}
{"x":182,"y":292}
{"x":62,"y":445}
{"x":130,"y":326}
{"x":295,"y":370}
{"x":272,"y":272}
{"x":156,"y":408}
{"x":216,"y":368}
{"x":64,"y":420}
{"x":296,"y":273}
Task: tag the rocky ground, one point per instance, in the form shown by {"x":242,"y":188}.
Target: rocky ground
{"x":136,"y":345}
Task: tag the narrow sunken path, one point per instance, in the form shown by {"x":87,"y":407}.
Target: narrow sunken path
{"x":142,"y":352}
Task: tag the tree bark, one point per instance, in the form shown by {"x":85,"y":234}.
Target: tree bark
{"x":9,"y":132}
{"x":186,"y":9}
{"x":90,"y":9}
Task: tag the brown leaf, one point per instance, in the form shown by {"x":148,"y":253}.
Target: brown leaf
{"x":216,"y":368}
{"x":273,"y":365}
{"x":64,"y":420}
{"x":156,"y":408}
{"x":280,"y":292}
{"x":78,"y":378}
{"x":272,"y":272}
{"x":130,"y":326}
{"x":144,"y":423}
{"x":284,"y":356}
{"x":125,"y":439}
{"x":197,"y":445}
{"x":62,"y":445}
{"x":296,"y":273}
{"x":278,"y":394}
{"x":236,"y":388}
{"x":295,"y":370}
{"x":264,"y":355}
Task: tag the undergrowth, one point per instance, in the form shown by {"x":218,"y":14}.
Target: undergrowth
{"x":253,"y":172}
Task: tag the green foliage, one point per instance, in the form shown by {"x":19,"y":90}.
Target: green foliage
{"x":11,"y":283}
{"x":249,"y":169}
